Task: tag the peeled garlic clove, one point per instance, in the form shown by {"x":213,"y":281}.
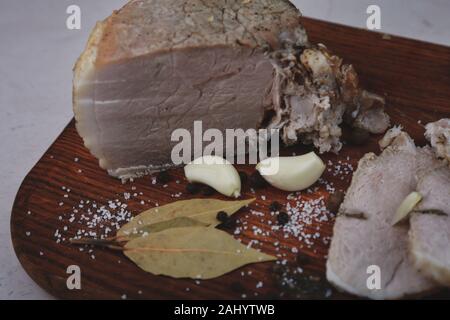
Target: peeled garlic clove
{"x":292,"y":173}
{"x":215,"y":172}
{"x":406,"y":207}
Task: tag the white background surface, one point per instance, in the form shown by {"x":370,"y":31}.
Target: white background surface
{"x":36,"y":58}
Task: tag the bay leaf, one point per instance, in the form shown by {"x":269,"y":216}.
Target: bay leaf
{"x":202,"y":210}
{"x":191,"y":252}
{"x":163,"y":225}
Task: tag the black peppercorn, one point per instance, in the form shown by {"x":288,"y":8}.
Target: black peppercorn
{"x":208,"y":191}
{"x":283,"y":218}
{"x":229,"y":224}
{"x":257,"y":181}
{"x":193,"y":188}
{"x":163,"y":177}
{"x":222,"y":216}
{"x":275,"y":206}
{"x":243,"y":176}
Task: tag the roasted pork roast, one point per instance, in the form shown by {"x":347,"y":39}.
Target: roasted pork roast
{"x":158,"y":65}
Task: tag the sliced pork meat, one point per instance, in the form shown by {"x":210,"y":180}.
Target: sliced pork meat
{"x":363,"y":233}
{"x":158,"y":65}
{"x":430,"y":226}
{"x":438,"y":133}
{"x":430,"y":223}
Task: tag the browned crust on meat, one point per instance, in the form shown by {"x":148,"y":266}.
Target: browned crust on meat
{"x":192,"y":23}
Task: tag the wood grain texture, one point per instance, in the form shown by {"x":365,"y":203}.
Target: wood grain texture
{"x":413,"y":76}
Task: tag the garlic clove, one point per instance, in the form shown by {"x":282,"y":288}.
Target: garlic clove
{"x":215,"y":172}
{"x":406,"y":207}
{"x":292,"y":173}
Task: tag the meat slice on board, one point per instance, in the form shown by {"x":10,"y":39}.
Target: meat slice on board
{"x":413,"y":256}
{"x":430,"y":224}
{"x":364,"y":236}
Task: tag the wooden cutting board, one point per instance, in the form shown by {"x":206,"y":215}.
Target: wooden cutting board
{"x":415,"y":78}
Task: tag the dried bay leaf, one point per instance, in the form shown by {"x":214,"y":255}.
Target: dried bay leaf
{"x":201,"y":210}
{"x":179,"y":222}
{"x":191,"y":252}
